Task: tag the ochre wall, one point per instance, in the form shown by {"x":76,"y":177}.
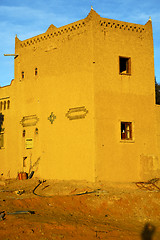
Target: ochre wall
{"x":78,"y":74}
{"x":64,"y":149}
{"x":127,"y":98}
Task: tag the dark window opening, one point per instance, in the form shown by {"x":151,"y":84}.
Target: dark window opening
{"x":24,"y":161}
{"x":8,"y":104}
{"x":1,"y":104}
{"x":126,"y":130}
{"x":1,"y":140}
{"x":22,"y":74}
{"x":1,"y":131}
{"x":24,"y":133}
{"x":1,"y":121}
{"x":4,"y":105}
{"x":36,"y":131}
{"x":36,"y":71}
{"x":124,"y":65}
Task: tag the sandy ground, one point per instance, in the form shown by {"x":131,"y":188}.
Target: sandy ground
{"x":77,"y":210}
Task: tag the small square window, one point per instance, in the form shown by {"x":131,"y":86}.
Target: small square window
{"x":126,"y":130}
{"x":124,"y":65}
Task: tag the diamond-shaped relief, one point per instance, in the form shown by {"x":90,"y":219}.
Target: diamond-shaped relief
{"x":52,"y":117}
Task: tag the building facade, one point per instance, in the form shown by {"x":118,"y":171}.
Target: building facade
{"x":82,"y":104}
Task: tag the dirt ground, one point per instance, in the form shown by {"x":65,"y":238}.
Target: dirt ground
{"x":79,"y":210}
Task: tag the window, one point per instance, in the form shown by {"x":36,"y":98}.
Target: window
{"x":4,"y":105}
{"x":8,"y":104}
{"x":1,"y":121}
{"x":1,"y":131}
{"x":124,"y":65}
{"x":24,"y":161}
{"x":1,"y":140}
{"x":1,"y":104}
{"x":36,"y":71}
{"x":24,"y":133}
{"x":29,"y":143}
{"x":126,"y":130}
{"x":22,"y":74}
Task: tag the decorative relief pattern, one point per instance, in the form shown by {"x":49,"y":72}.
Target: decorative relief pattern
{"x":57,"y":32}
{"x":123,"y":26}
{"x":52,"y":117}
{"x":105,"y":23}
{"x":76,"y":113}
{"x":29,"y":120}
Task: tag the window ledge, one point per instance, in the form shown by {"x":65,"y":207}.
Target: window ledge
{"x":128,"y":74}
{"x":127,"y":141}
{"x":2,"y":148}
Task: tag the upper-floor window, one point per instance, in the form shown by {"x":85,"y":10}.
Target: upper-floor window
{"x":1,"y":105}
{"x":24,"y":133}
{"x":1,"y":140}
{"x":8,"y":104}
{"x":125,"y":65}
{"x":36,"y":71}
{"x":22,"y":74}
{"x":4,"y":105}
{"x":126,"y":130}
{"x":1,"y":131}
{"x":1,"y":121}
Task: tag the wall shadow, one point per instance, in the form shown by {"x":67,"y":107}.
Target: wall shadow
{"x":148,"y":232}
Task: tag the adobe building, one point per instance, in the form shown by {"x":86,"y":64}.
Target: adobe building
{"x":82,"y":104}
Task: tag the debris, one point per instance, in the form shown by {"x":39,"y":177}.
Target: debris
{"x":22,"y":176}
{"x":19,"y":192}
{"x":7,"y":190}
{"x":73,"y":191}
{"x":86,"y":192}
{"x":20,"y":212}
{"x":99,"y":232}
{"x":40,"y":182}
{"x":31,"y":175}
{"x":150,"y":185}
{"x":2,"y":216}
{"x":2,"y":183}
{"x":45,"y":187}
{"x":33,"y":167}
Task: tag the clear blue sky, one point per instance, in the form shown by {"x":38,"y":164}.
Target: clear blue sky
{"x":28,"y":18}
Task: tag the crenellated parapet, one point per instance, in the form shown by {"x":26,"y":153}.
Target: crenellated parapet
{"x":54,"y":32}
{"x":113,"y":24}
{"x":104,"y":23}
